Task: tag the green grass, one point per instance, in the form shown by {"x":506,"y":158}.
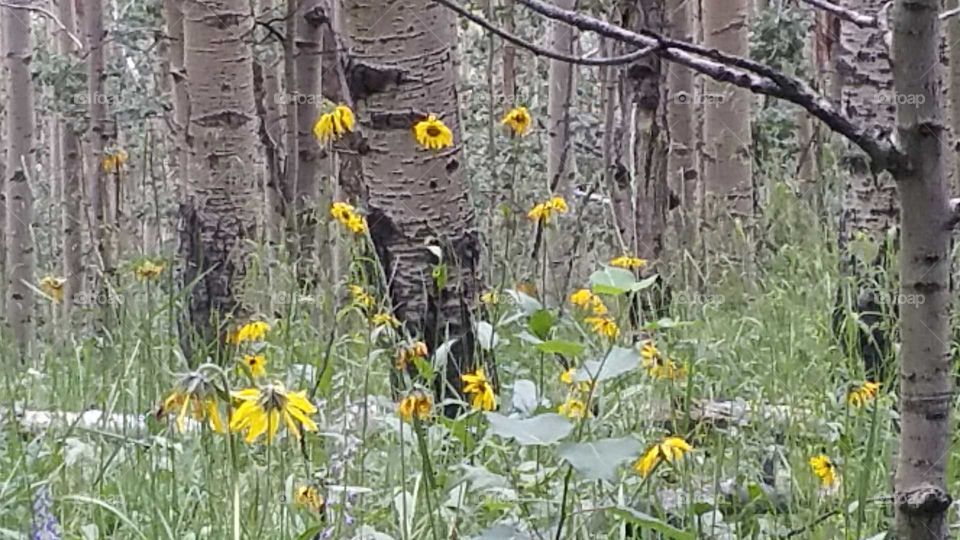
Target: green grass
{"x":767,"y":343}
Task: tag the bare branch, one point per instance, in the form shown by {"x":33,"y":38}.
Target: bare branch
{"x":863,"y":21}
{"x":46,"y":13}
{"x":740,"y":72}
{"x":540,"y":51}
{"x":950,"y":13}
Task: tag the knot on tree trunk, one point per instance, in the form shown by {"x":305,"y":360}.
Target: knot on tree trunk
{"x":924,"y":498}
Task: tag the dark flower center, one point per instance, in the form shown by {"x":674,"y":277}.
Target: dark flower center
{"x":433,"y":131}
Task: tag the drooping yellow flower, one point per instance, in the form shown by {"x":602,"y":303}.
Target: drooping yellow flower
{"x":567,"y":378}
{"x":147,"y":271}
{"x":628,"y":262}
{"x":309,"y":497}
{"x":262,"y":410}
{"x":490,"y":298}
{"x":256,"y":364}
{"x":670,"y":450}
{"x":112,"y":161}
{"x":476,"y":383}
{"x":385,"y":319}
{"x":416,"y":404}
{"x":53,"y":287}
{"x":405,"y":355}
{"x":860,"y":395}
{"x":252,"y":331}
{"x":518,"y":119}
{"x":824,"y":469}
{"x":361,"y":297}
{"x":433,"y":134}
{"x":195,"y":395}
{"x":584,"y":299}
{"x":334,"y":124}
{"x":658,"y":366}
{"x":543,"y":211}
{"x":603,"y":326}
{"x":573,"y":408}
{"x":347,"y":215}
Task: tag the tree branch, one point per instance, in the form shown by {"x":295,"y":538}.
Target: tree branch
{"x":863,"y":21}
{"x":48,"y":15}
{"x":540,"y":51}
{"x":740,"y":72}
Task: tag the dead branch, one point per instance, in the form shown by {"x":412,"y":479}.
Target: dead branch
{"x":859,"y":19}
{"x":741,"y":72}
{"x":540,"y":51}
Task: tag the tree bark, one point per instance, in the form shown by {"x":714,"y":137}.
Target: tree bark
{"x":19,"y":203}
{"x":180,"y":158}
{"x":71,"y":218}
{"x":562,"y":87}
{"x":926,"y":375}
{"x":270,"y":105}
{"x":97,"y":136}
{"x":417,"y":197}
{"x":682,"y":173}
{"x":217,"y":211}
{"x":292,"y":127}
{"x":307,"y":200}
{"x":727,"y":163}
{"x":509,"y":56}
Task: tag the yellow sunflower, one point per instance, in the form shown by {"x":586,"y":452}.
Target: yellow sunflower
{"x":603,"y":326}
{"x":658,"y":366}
{"x":262,"y":409}
{"x":584,"y":299}
{"x":252,"y":331}
{"x":490,"y":298}
{"x":53,"y":287}
{"x":112,"y":161}
{"x":573,"y":408}
{"x":361,"y":297}
{"x":256,"y":364}
{"x":671,"y":450}
{"x":628,"y":262}
{"x":476,"y":383}
{"x":147,"y":271}
{"x":195,"y":395}
{"x":860,"y":395}
{"x":385,"y":319}
{"x":518,"y":120}
{"x":334,"y":124}
{"x":543,"y":211}
{"x":347,"y":215}
{"x":433,"y":134}
{"x":824,"y":469}
{"x":309,"y":497}
{"x":416,"y":404}
{"x":405,"y":355}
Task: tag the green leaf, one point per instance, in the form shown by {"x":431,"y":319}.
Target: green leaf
{"x":619,"y":361}
{"x":559,"y":346}
{"x":541,"y":322}
{"x":612,"y":280}
{"x":647,"y":521}
{"x":541,"y":430}
{"x":486,"y":336}
{"x":599,"y":460}
{"x":311,"y":532}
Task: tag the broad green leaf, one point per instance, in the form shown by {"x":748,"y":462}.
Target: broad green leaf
{"x":599,"y":460}
{"x":527,"y":303}
{"x":647,"y":521}
{"x":612,"y":280}
{"x":541,"y":322}
{"x":559,"y":346}
{"x":524,"y":396}
{"x":541,"y":430}
{"x":619,"y":361}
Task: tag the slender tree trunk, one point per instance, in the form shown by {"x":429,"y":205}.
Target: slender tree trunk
{"x":173,"y":16}
{"x":727,"y":165}
{"x":562,"y":87}
{"x":509,"y":56}
{"x":870,"y":210}
{"x":72,"y":169}
{"x":217,"y":211}
{"x":19,"y":215}
{"x":415,"y":196}
{"x":292,"y":144}
{"x":97,"y":135}
{"x":952,"y":25}
{"x":273,"y":129}
{"x":682,"y":172}
{"x":926,"y":374}
{"x":309,"y":46}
